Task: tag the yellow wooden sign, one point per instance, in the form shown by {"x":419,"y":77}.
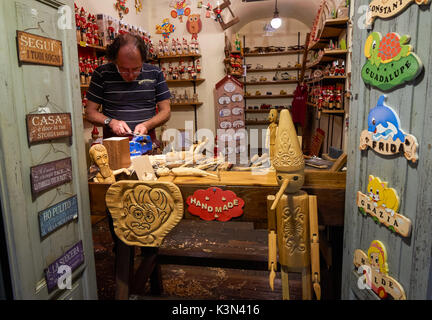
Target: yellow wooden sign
{"x":386,"y":9}
{"x":34,"y":49}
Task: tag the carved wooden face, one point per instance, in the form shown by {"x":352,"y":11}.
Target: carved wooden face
{"x":144,"y":212}
{"x":296,"y":180}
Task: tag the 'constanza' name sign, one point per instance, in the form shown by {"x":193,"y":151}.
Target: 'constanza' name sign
{"x":35,"y":49}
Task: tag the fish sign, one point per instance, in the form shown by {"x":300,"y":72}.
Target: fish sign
{"x":390,"y":61}
{"x":384,"y":134}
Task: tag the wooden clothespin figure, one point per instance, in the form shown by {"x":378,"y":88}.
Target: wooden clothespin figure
{"x":292,"y":215}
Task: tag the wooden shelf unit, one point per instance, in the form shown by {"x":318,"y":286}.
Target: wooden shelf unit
{"x":326,"y":78}
{"x":278,"y":53}
{"x":273,"y":69}
{"x":186,"y":104}
{"x":260,"y":83}
{"x":272,"y":96}
{"x":185,"y":81}
{"x":332,"y":28}
{"x":263,"y":110}
{"x":181,"y":56}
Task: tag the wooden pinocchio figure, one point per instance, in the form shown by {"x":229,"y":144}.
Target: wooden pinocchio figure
{"x":271,"y":133}
{"x":292,"y":215}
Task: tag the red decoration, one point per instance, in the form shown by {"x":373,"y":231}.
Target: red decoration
{"x":215,"y":204}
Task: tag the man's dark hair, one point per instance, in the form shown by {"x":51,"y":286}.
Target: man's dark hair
{"x":125,"y":39}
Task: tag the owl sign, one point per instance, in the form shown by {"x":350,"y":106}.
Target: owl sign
{"x":194,"y":25}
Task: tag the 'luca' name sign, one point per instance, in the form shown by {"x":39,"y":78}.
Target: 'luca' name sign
{"x":48,"y":126}
{"x":35,"y":49}
{"x":58,"y":215}
{"x":50,"y":175}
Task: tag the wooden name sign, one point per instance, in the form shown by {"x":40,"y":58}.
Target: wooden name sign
{"x":35,"y":49}
{"x":374,"y":272}
{"x":384,"y":134}
{"x":48,"y":126}
{"x":50,"y":175}
{"x":390,"y":61}
{"x":382,"y":204}
{"x":215,"y":203}
{"x":387,"y":9}
{"x":72,"y":258}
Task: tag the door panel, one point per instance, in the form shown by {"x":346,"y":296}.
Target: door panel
{"x":22,"y":90}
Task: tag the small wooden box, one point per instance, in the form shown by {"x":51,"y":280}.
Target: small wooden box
{"x":118,"y":152}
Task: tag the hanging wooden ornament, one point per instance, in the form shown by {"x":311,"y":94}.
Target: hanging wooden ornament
{"x":215,"y":204}
{"x":386,"y":9}
{"x":374,"y":269}
{"x":194,"y":25}
{"x":384,"y":134}
{"x":120,"y":6}
{"x":181,"y":9}
{"x":382,"y":204}
{"x":165,"y":29}
{"x":391,"y":61}
{"x":138,"y":6}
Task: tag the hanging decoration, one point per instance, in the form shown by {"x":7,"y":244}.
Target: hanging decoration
{"x":384,"y":134}
{"x":120,"y":6}
{"x":390,"y":61}
{"x":194,"y":25}
{"x":382,"y":204}
{"x":215,"y":204}
{"x":138,"y":6}
{"x":181,"y":9}
{"x":374,"y":270}
{"x":218,"y":14}
{"x":387,"y":9}
{"x":166,"y":28}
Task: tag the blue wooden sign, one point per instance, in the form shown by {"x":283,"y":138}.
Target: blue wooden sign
{"x":58,"y":215}
{"x":73,"y":258}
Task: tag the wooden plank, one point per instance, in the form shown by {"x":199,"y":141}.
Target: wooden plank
{"x":270,"y":96}
{"x":279,"y":53}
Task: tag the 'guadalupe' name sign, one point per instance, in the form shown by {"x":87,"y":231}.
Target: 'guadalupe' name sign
{"x":58,"y":215}
{"x":34,"y":49}
{"x":50,"y":175}
{"x":73,"y":258}
{"x":48,"y":126}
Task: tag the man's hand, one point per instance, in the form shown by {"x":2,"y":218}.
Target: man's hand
{"x":120,"y":128}
{"x":141,"y":129}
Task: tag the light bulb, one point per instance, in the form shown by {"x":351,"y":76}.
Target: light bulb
{"x":276,"y":22}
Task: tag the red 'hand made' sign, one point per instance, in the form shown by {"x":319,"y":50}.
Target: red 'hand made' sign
{"x":215,"y":204}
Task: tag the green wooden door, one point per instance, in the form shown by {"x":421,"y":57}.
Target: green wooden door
{"x":409,"y":258}
{"x":22,"y":90}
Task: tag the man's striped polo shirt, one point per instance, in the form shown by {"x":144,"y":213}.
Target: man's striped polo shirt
{"x":133,"y":102}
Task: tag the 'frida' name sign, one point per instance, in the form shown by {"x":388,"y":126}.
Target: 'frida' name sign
{"x":390,"y":61}
{"x":386,"y":9}
{"x":384,"y":134}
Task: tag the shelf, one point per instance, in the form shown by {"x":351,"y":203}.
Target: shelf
{"x":180,"y":56}
{"x":186,"y":104}
{"x":257,"y":122}
{"x":329,"y":55}
{"x":328,"y":111}
{"x":270,"y":82}
{"x":326,"y":78}
{"x":84,"y":86}
{"x":279,"y":53}
{"x":273,"y":69}
{"x":332,"y":29}
{"x":180,"y":82}
{"x":263,"y":110}
{"x":273,"y":96}
{"x":86,"y":45}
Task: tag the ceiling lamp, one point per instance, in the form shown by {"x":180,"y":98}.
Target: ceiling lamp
{"x":276,"y":21}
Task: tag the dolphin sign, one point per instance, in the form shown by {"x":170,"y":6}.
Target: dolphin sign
{"x":384,"y":134}
{"x":386,"y":9}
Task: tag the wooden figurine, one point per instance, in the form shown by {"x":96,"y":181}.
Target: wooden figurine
{"x":78,"y":24}
{"x":271,"y":133}
{"x":99,"y":157}
{"x":292,"y":215}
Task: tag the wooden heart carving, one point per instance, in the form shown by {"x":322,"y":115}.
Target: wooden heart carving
{"x":144,"y":212}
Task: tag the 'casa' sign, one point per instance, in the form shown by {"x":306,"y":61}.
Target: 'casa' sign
{"x":34,"y":49}
{"x":48,"y":126}
{"x":215,"y":204}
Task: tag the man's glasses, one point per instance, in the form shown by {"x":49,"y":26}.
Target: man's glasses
{"x":134,"y":72}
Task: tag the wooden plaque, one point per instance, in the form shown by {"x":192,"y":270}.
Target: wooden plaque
{"x":50,"y":175}
{"x":48,"y":126}
{"x":34,"y":49}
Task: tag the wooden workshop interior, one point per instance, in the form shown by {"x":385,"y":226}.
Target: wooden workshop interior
{"x":282,"y":172}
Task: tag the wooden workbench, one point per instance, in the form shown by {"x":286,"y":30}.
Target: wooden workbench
{"x":329,"y":187}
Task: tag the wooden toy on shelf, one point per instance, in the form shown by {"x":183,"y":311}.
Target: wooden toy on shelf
{"x":99,"y":157}
{"x":292,"y":215}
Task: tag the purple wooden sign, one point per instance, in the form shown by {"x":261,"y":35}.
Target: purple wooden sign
{"x":73,"y":258}
{"x":50,"y":175}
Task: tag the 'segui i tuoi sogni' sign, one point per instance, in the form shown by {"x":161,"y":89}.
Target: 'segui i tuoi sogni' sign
{"x":34,"y":49}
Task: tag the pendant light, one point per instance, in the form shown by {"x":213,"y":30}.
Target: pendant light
{"x":276,"y":21}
